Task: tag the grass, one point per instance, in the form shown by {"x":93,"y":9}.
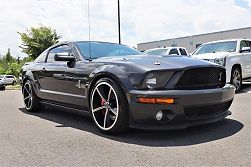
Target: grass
{"x":13,"y":87}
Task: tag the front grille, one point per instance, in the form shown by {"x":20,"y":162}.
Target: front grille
{"x":202,"y":78}
{"x":205,"y":111}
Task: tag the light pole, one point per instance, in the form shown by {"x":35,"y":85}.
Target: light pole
{"x":119,"y":22}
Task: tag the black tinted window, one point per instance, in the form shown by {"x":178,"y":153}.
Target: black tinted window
{"x":100,"y":49}
{"x":173,"y":52}
{"x":9,"y":77}
{"x":59,"y":49}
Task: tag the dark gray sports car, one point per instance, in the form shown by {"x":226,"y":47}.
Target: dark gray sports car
{"x":122,"y":88}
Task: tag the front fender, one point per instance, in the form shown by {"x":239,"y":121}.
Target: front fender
{"x":114,"y":72}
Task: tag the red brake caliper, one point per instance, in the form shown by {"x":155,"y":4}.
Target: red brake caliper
{"x":103,"y":103}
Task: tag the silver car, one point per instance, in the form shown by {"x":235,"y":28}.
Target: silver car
{"x":8,"y":79}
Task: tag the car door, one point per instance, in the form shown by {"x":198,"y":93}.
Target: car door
{"x":245,"y":59}
{"x":61,"y":83}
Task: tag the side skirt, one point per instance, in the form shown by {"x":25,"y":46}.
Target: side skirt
{"x":60,"y":106}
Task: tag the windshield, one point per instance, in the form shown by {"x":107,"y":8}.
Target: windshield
{"x":217,"y":47}
{"x":156,"y":52}
{"x":100,"y":49}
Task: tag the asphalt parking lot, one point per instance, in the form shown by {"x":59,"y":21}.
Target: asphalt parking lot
{"x":60,"y":138}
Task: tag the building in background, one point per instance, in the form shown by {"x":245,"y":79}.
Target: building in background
{"x":192,"y":42}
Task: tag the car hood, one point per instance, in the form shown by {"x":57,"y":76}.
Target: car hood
{"x":152,"y":62}
{"x":208,"y":56}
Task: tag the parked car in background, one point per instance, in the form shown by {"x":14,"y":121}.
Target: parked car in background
{"x":233,"y":54}
{"x":2,"y":85}
{"x":121,"y":88}
{"x":8,"y":79}
{"x":167,"y":51}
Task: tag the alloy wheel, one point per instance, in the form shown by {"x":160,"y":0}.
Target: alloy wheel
{"x":236,"y":79}
{"x":27,"y":93}
{"x":104,"y":106}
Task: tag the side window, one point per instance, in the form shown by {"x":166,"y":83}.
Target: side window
{"x":173,"y":52}
{"x":41,"y":57}
{"x":59,"y":49}
{"x":9,"y":76}
{"x":245,"y":44}
{"x":183,"y":51}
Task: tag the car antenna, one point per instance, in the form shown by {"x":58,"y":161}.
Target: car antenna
{"x":89,"y":29}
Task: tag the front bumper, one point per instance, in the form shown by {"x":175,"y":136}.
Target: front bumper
{"x":190,"y":108}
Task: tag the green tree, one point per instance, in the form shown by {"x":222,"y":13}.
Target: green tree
{"x":36,"y":40}
{"x":13,"y":69}
{"x":8,"y":58}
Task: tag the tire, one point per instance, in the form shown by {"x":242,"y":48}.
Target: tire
{"x":109,"y":107}
{"x":13,"y":83}
{"x":236,"y":78}
{"x":2,"y":88}
{"x":31,"y":101}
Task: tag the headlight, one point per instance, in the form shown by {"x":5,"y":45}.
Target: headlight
{"x":220,"y":61}
{"x":156,"y":79}
{"x":151,"y":81}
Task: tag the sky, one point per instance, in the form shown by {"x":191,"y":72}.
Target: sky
{"x":141,"y":20}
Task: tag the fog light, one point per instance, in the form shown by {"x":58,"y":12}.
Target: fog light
{"x":159,"y":115}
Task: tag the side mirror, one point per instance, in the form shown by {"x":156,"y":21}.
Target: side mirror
{"x":245,"y":49}
{"x":64,"y":56}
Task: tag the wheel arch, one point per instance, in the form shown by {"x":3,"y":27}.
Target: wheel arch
{"x":236,"y":66}
{"x":27,"y":76}
{"x":121,"y":82}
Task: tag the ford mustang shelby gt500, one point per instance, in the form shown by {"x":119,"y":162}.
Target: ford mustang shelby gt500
{"x":122,"y":88}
